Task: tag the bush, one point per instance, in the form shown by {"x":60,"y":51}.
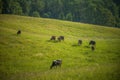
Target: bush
{"x":35,"y":14}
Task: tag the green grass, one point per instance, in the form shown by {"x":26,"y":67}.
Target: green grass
{"x":28,"y":56}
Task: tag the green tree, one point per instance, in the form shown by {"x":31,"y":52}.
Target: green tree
{"x":35,"y":14}
{"x":25,"y":4}
{"x":47,"y":15}
{"x":37,"y":5}
{"x":0,"y":6}
{"x":69,"y":17}
{"x":15,"y":8}
{"x":105,"y":17}
{"x":61,"y":16}
{"x":5,"y":6}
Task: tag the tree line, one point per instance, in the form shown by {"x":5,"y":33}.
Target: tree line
{"x":100,"y":12}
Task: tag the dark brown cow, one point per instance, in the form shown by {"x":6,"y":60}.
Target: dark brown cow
{"x":92,"y":42}
{"x":18,"y":32}
{"x":56,"y":63}
{"x":92,"y":48}
{"x":79,"y":42}
{"x":53,"y":38}
{"x":61,"y":38}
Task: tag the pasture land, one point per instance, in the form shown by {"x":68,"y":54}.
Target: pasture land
{"x":28,"y":56}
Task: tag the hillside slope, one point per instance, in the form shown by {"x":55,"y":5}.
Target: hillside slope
{"x":28,"y":56}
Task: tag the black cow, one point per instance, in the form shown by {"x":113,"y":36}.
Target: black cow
{"x":92,"y":48}
{"x":61,"y":38}
{"x":79,"y":42}
{"x":53,"y":38}
{"x":92,"y":42}
{"x":56,"y":63}
{"x":18,"y":32}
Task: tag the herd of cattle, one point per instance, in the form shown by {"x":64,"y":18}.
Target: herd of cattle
{"x":58,"y":62}
{"x":92,"y":43}
{"x":59,"y":38}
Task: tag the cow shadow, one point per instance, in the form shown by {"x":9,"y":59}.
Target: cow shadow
{"x":87,"y":46}
{"x":75,"y":45}
{"x":52,"y":41}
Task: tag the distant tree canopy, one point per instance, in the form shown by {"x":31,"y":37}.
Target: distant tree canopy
{"x":101,"y":12}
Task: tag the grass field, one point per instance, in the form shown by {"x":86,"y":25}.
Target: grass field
{"x":28,"y":56}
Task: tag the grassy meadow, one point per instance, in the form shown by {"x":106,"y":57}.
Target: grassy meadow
{"x":28,"y":56}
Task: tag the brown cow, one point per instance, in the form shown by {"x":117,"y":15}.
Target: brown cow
{"x":79,"y":42}
{"x":61,"y":38}
{"x":53,"y":38}
{"x":18,"y":32}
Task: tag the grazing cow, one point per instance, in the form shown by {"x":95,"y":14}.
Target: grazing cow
{"x":79,"y":42}
{"x":53,"y":38}
{"x":61,"y":38}
{"x":56,"y":63}
{"x":18,"y":32}
{"x":92,"y":48}
{"x":92,"y":42}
